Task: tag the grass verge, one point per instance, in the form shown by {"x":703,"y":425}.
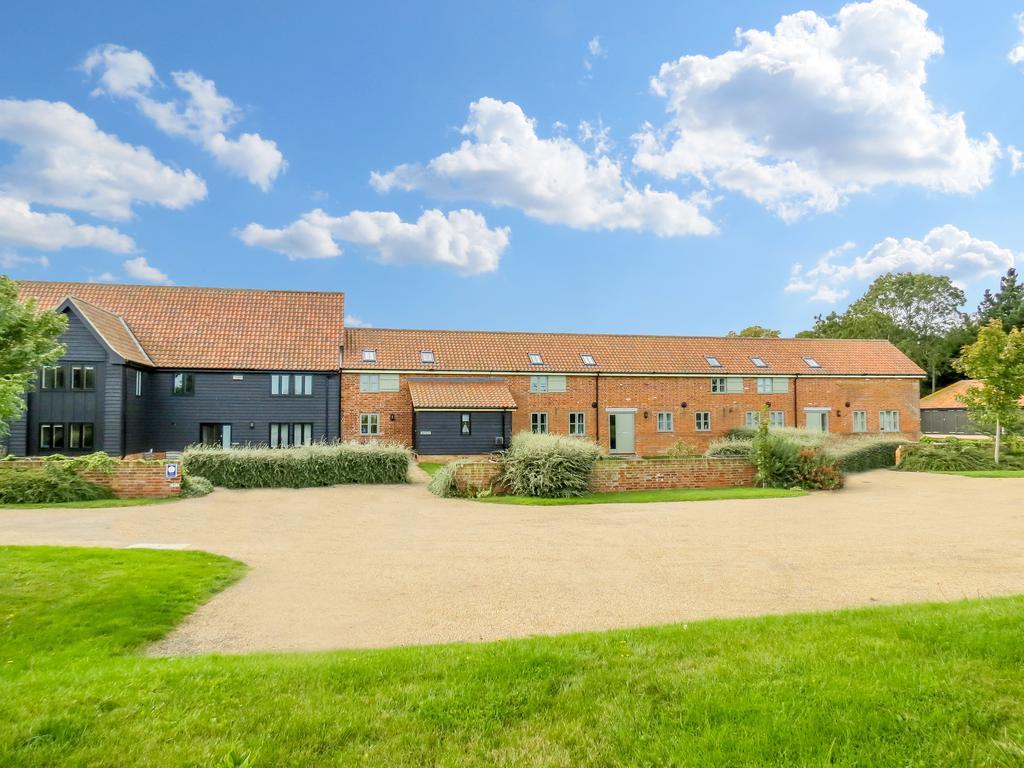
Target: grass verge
{"x":93,"y":504}
{"x":986,"y":473}
{"x":909,"y":685}
{"x":643,"y":497}
{"x":430,"y":467}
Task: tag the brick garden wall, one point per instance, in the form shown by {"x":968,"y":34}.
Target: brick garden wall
{"x":633,"y":475}
{"x":128,"y":479}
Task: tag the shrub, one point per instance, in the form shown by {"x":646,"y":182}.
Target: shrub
{"x":443,"y":482}
{"x":549,"y":465}
{"x":777,"y":459}
{"x":739,"y":448}
{"x":52,"y":484}
{"x":947,"y":456}
{"x":817,"y":471}
{"x":194,"y":486}
{"x":301,"y":467}
{"x":861,"y":455}
{"x":681,"y":449}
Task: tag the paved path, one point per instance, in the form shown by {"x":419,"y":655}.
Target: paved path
{"x":367,"y":566}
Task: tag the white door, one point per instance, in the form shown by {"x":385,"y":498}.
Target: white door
{"x":226,"y":436}
{"x":620,"y":432}
{"x":817,"y":421}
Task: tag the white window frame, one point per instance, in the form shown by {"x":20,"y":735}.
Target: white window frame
{"x":539,"y":422}
{"x":138,"y":383}
{"x":758,"y":362}
{"x":379,"y":382}
{"x":280,"y":439}
{"x":860,"y":421}
{"x":702,"y":421}
{"x":369,"y":355}
{"x":777,"y":385}
{"x":302,"y":433}
{"x":713,"y":361}
{"x":369,"y":424}
{"x":427,"y":357}
{"x":465,"y":424}
{"x":752,"y":419}
{"x":577,"y":423}
{"x":812,"y":363}
{"x":542,"y":384}
{"x":588,"y":360}
{"x":665,"y":421}
{"x":303,"y":385}
{"x":280,"y":384}
{"x":776,"y":418}
{"x":536,"y":358}
{"x":889,"y":418}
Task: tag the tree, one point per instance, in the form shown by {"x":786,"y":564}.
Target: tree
{"x":1006,"y":304}
{"x":755,"y":332}
{"x":997,"y":360}
{"x":29,"y":339}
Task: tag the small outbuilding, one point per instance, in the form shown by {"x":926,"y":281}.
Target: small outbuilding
{"x":942,"y":413}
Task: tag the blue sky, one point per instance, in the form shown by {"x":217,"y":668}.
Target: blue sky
{"x":567,"y":192}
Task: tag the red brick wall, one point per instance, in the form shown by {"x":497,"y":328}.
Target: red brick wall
{"x":634,"y":475}
{"x":128,"y":479}
{"x":650,"y":394}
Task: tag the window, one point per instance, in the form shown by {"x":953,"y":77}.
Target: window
{"x":278,"y":435}
{"x":536,"y":359}
{"x":83,"y":377}
{"x":713,"y":361}
{"x":427,"y":356}
{"x":52,"y":378}
{"x":860,"y":421}
{"x":183,"y":384}
{"x":369,"y":355}
{"x":138,"y":383}
{"x":752,"y":418}
{"x":378,"y":382}
{"x":303,"y":384}
{"x":772,"y":384}
{"x":369,"y":424}
{"x":812,"y":362}
{"x":577,"y":423}
{"x":80,"y":436}
{"x":280,"y":383}
{"x":759,"y":362}
{"x":777,"y":418}
{"x":723,"y":384}
{"x":51,"y":437}
{"x":588,"y":359}
{"x":466,"y":424}
{"x":302,"y":434}
{"x":664,"y":421}
{"x":547,"y":383}
{"x":702,"y":421}
{"x":888,"y":421}
{"x":539,"y":423}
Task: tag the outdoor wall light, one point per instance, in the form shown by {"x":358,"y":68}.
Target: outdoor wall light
{"x":838,"y":413}
{"x":391,"y":417}
{"x":847,"y":403}
{"x":682,"y":405}
{"x":593,"y":405}
{"x":252,"y":425}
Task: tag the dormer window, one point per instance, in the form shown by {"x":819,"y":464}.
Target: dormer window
{"x":369,"y":355}
{"x":759,"y":362}
{"x":713,"y":361}
{"x":588,"y":359}
{"x":812,"y":362}
{"x":427,"y":356}
{"x":536,"y":359}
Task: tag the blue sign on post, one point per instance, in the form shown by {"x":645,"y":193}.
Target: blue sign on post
{"x":171,"y":471}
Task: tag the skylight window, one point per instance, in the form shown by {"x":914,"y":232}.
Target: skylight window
{"x":427,"y":356}
{"x":369,"y":355}
{"x":588,"y":359}
{"x":536,"y":359}
{"x":812,"y":362}
{"x":759,"y":362}
{"x":713,"y":361}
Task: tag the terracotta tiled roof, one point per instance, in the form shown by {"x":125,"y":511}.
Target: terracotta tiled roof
{"x":460,"y":394}
{"x":946,"y":397}
{"x":223,"y":328}
{"x":561,"y":352}
{"x":113,"y":330}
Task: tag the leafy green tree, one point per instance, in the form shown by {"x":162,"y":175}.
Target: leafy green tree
{"x":756,"y":332}
{"x":1006,"y":304}
{"x":997,"y":360}
{"x":29,"y":339}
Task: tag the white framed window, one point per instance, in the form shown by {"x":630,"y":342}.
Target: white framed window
{"x":52,"y":377}
{"x":427,"y":356}
{"x":759,"y":362}
{"x":80,"y":436}
{"x":665,"y":421}
{"x":51,"y":437}
{"x":369,"y":424}
{"x":547,"y":384}
{"x":860,"y":421}
{"x":713,"y":361}
{"x":280,"y":383}
{"x":303,"y":384}
{"x":731,"y":384}
{"x":378,"y":382}
{"x":536,"y":359}
{"x":278,"y":435}
{"x":888,"y":421}
{"x":183,"y":384}
{"x":812,"y":363}
{"x":577,"y":423}
{"x":702,"y":421}
{"x":138,"y":383}
{"x":302,"y":433}
{"x":588,"y":359}
{"x":752,"y":418}
{"x":539,"y":423}
{"x":369,"y":355}
{"x":466,"y":424}
{"x":83,"y":377}
{"x":772,"y":384}
{"x":776,"y":418}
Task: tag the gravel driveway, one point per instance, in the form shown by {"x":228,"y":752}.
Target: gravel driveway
{"x":368,"y":566}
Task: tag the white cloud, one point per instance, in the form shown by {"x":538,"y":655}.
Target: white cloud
{"x":598,"y":135}
{"x":64,"y":160}
{"x":945,"y":250}
{"x":594,"y":51}
{"x":105,"y":277}
{"x":504,"y":163}
{"x":1016,"y":54}
{"x":353,"y":321}
{"x":461,"y":239}
{"x":804,"y":116}
{"x":204,"y":118}
{"x":1016,"y":159}
{"x":11,"y":260}
{"x":21,"y":226}
{"x":140,"y":269}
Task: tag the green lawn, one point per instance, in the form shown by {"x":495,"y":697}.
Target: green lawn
{"x":92,"y":504}
{"x":430,"y":467}
{"x":926,"y":685}
{"x":986,"y":473}
{"x":640,"y":497}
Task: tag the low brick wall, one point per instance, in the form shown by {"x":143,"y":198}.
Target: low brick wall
{"x":128,"y":480}
{"x":633,"y":474}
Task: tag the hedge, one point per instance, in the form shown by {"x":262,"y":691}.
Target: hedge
{"x":862,"y":455}
{"x":549,"y":465}
{"x":50,"y":484}
{"x":302,"y":467}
